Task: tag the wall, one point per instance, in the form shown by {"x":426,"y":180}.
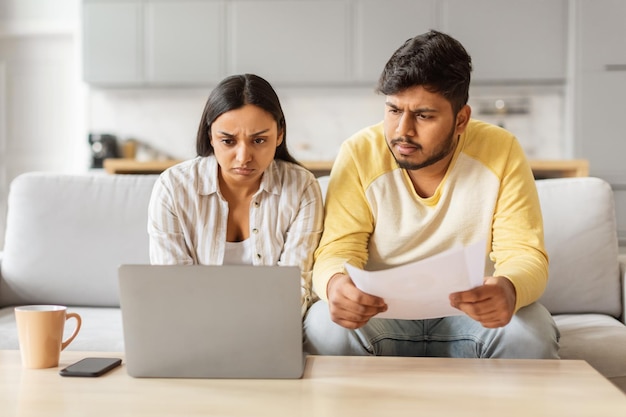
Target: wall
{"x":318,"y":120}
{"x":41,"y":112}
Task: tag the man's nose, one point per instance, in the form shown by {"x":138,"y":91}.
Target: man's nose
{"x":406,"y":125}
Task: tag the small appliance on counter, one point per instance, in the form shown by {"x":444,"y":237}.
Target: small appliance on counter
{"x":103,"y":146}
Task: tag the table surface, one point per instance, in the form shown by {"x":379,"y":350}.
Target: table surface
{"x":331,"y":386}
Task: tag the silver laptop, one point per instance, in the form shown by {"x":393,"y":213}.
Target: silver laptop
{"x":203,"y":321}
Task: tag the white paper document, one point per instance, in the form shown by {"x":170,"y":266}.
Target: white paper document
{"x":420,"y":290}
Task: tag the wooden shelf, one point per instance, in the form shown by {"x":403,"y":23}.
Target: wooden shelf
{"x":132,"y":166}
{"x":560,"y":168}
{"x":541,"y":168}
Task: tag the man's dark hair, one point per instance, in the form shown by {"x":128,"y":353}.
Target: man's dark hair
{"x":433,"y":60}
{"x":232,"y":93}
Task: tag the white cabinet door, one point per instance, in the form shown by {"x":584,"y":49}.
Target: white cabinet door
{"x":602,"y":35}
{"x":511,"y":39}
{"x":377,"y":37}
{"x":601,"y":137}
{"x":290,"y":42}
{"x":184,"y":42}
{"x":112,"y":43}
{"x":600,"y":88}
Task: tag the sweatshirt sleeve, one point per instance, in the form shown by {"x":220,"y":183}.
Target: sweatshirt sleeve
{"x":517,"y":247}
{"x":348,"y":223}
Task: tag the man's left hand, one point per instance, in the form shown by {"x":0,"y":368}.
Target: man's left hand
{"x":492,"y":304}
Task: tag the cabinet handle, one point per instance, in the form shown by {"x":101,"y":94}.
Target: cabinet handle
{"x":615,"y":67}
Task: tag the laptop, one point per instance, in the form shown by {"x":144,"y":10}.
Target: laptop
{"x":200,"y":321}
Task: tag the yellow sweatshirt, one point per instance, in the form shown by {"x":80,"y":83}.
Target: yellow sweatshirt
{"x":375,"y":220}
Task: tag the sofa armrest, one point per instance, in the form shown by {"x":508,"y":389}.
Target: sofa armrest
{"x":622,"y":270}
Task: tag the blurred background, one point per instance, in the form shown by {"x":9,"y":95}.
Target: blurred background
{"x":82,"y":81}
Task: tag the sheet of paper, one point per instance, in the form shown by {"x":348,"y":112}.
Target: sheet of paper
{"x":420,"y":290}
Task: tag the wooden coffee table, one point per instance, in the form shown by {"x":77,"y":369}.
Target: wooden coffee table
{"x":331,"y":386}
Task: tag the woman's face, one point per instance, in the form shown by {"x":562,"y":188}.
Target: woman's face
{"x":245,"y":141}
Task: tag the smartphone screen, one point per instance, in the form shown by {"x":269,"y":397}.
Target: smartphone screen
{"x":91,"y":367}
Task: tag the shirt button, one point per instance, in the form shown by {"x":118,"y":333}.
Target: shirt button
{"x":258,"y":256}
{"x":256,"y":204}
{"x":255,"y":230}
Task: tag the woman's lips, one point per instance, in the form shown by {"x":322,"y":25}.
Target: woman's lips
{"x":243,"y":171}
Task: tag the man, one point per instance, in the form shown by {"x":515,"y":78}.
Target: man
{"x":424,"y":180}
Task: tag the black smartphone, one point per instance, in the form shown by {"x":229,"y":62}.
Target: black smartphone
{"x":91,"y":367}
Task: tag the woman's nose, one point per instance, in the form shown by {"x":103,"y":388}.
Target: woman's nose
{"x":243,"y":154}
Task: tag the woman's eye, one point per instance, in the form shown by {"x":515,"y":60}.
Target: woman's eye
{"x":258,"y":141}
{"x":227,"y":141}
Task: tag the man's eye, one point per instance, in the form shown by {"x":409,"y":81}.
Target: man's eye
{"x":394,"y":111}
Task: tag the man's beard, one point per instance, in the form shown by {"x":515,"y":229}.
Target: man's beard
{"x":446,"y":149}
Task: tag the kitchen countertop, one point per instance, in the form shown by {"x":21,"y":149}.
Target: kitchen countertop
{"x":542,"y":168}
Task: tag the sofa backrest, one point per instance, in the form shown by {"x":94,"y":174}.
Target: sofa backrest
{"x":67,"y":234}
{"x":581,"y":240}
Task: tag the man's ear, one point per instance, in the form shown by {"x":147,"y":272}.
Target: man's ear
{"x":463,"y":118}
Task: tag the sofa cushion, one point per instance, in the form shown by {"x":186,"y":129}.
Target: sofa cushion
{"x":597,"y":339}
{"x":581,"y":241}
{"x":67,"y":234}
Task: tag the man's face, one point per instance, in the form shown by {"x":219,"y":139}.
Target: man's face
{"x":421,"y":128}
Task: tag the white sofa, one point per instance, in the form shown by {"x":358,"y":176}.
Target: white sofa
{"x":67,"y":234}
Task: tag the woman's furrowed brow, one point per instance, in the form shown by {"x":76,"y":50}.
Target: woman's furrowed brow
{"x":232,"y":135}
{"x":260,"y":132}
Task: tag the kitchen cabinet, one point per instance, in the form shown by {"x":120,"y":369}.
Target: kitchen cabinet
{"x":112,"y":41}
{"x":602,"y":35}
{"x":510,"y":40}
{"x":600,"y":134}
{"x":599,"y":88}
{"x":152,"y":42}
{"x":312,"y":42}
{"x":183,"y":42}
{"x":295,"y":42}
{"x":376,"y":38}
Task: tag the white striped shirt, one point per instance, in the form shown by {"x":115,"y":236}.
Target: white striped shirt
{"x":187,"y":218}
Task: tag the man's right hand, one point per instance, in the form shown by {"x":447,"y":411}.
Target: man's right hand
{"x":349,"y":306}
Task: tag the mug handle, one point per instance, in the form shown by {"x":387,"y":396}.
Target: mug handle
{"x":78,"y":324}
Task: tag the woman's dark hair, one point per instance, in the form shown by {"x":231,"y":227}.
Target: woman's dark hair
{"x":232,"y":93}
{"x":433,"y":60}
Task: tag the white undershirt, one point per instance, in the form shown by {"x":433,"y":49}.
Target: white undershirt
{"x":238,"y":253}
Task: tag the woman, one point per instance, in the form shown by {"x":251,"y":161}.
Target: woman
{"x":244,"y":199}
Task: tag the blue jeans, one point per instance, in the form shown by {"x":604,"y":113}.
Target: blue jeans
{"x":531,"y":334}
